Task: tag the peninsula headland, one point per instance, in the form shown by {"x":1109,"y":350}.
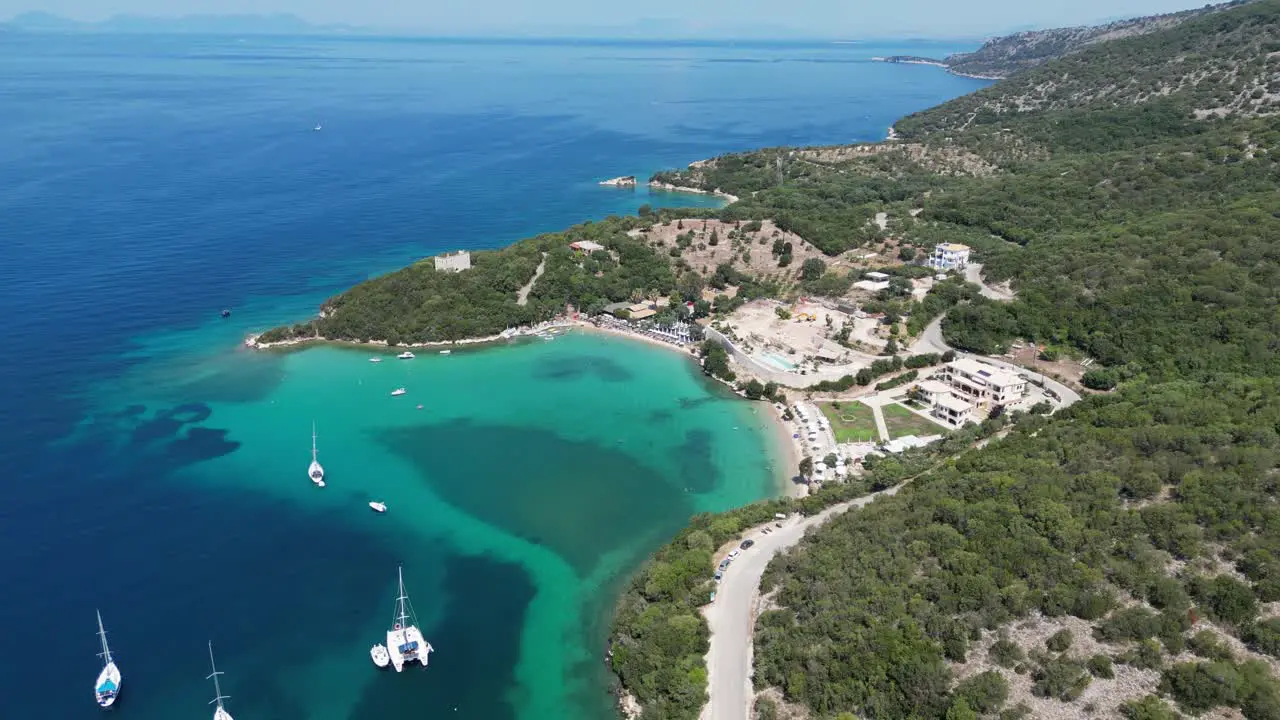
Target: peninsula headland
{"x":1102,"y":225}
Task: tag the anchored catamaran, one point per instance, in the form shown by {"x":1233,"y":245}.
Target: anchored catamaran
{"x":107,"y":688}
{"x":221,"y":713}
{"x":315,"y":471}
{"x":405,"y":643}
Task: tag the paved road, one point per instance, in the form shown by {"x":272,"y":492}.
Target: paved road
{"x":731,"y":615}
{"x":930,"y":341}
{"x":973,"y":274}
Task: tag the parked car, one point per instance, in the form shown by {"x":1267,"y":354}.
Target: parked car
{"x":747,"y":543}
{"x":734,"y":554}
{"x":724,"y":563}
{"x":719,"y":574}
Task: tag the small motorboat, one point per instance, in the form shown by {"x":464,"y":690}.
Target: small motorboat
{"x":419,"y":407}
{"x":406,"y":355}
{"x":380,"y":656}
{"x":445,"y":352}
{"x":318,"y":127}
{"x":375,"y":360}
{"x":378,"y":507}
{"x":398,"y":391}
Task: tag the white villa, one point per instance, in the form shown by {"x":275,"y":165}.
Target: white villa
{"x":949,"y":256}
{"x":983,"y":384}
{"x":944,"y":404}
{"x":454,"y":261}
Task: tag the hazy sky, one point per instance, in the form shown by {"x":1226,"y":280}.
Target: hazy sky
{"x":825,"y":18}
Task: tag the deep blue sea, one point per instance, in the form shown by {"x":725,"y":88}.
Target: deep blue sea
{"x":148,"y":182}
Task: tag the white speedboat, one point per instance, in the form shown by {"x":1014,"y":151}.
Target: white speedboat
{"x":220,"y":713}
{"x":107,"y":687}
{"x":375,"y":360}
{"x":318,"y":127}
{"x":398,"y":392}
{"x":315,"y":471}
{"x":406,"y":355}
{"x":405,"y":643}
{"x":380,"y":656}
{"x":378,"y":507}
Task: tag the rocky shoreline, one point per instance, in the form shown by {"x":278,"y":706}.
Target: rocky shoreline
{"x":911,"y":60}
{"x":668,"y":187}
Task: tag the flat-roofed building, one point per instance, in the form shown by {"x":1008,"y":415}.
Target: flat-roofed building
{"x":454,"y":261}
{"x":586,"y":246}
{"x":949,"y":256}
{"x":952,"y":410}
{"x":981,"y":383}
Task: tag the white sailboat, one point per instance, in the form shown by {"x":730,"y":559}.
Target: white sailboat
{"x":398,"y":392}
{"x":221,"y":713}
{"x":406,"y":355}
{"x":405,"y":643}
{"x":315,"y":471}
{"x":107,"y":687}
{"x":379,"y":507}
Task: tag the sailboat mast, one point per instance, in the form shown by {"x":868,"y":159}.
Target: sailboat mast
{"x":106,"y":651}
{"x":402,"y":614}
{"x":217,"y":689}
{"x":313,"y":442}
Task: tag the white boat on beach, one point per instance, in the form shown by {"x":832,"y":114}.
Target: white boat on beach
{"x":398,"y":392}
{"x":406,"y":355}
{"x":107,"y":687}
{"x":405,"y":643}
{"x":375,"y":360}
{"x":380,"y":656}
{"x":220,"y":713}
{"x":378,"y":507}
{"x":315,"y":471}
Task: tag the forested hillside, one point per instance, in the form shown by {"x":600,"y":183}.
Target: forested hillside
{"x":1120,"y":559}
{"x":1222,"y":63}
{"x":1003,"y":56}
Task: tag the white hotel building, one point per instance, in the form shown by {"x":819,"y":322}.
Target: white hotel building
{"x":949,"y":256}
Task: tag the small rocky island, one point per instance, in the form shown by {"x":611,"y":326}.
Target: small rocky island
{"x":628,"y":181}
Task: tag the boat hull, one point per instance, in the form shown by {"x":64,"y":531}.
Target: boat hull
{"x":107,"y":689}
{"x":407,"y":646}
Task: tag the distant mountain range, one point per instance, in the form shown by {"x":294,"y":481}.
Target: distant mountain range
{"x":278,"y":24}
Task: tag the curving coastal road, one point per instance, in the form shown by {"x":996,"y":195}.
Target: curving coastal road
{"x":732,"y":615}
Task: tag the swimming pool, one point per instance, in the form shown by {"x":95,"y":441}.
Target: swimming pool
{"x":778,"y":361}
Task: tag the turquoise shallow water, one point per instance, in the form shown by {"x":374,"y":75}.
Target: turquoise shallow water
{"x":156,"y":470}
{"x":532,"y":480}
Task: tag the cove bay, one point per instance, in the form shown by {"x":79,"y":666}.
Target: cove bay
{"x":157,"y":469}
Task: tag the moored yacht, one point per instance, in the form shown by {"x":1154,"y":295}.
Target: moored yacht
{"x":315,"y":471}
{"x":398,"y":392}
{"x":405,"y":643}
{"x":378,"y":506}
{"x":406,"y":355}
{"x":107,"y":687}
{"x":220,"y":713}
